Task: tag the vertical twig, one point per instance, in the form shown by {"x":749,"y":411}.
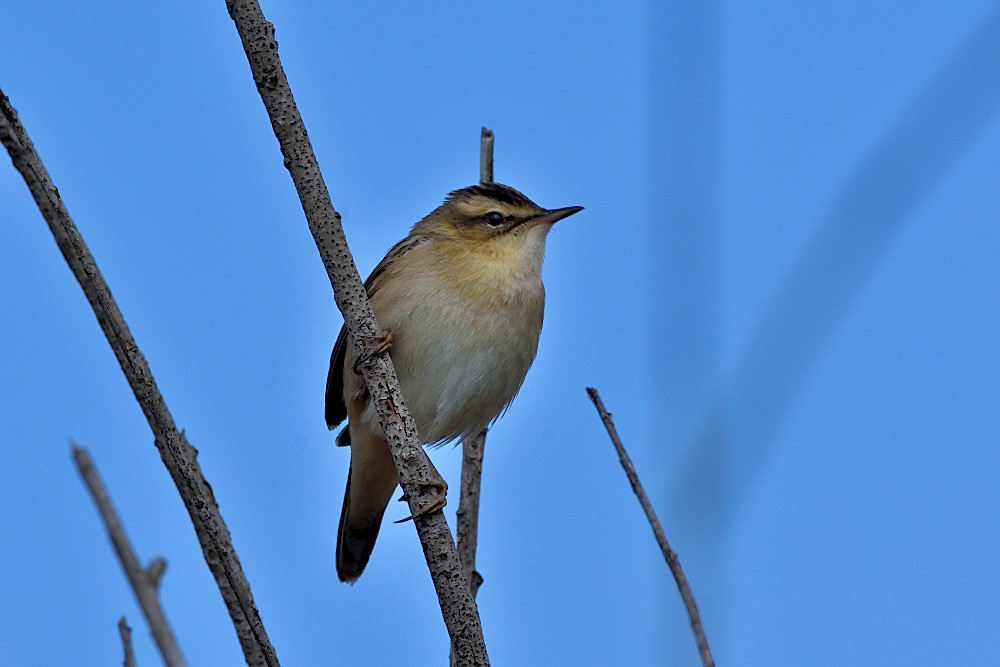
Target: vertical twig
{"x":672,"y":560}
{"x":458,"y":607}
{"x":145,"y":582}
{"x":467,"y":517}
{"x":486,"y":156}
{"x":178,"y":456}
{"x":473,"y":449}
{"x":126,"y":635}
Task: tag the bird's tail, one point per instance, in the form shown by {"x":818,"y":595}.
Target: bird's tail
{"x":369,"y":488}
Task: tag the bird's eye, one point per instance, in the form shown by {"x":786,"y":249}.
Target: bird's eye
{"x":494,"y":218}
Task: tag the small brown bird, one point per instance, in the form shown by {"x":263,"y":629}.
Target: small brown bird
{"x":461,"y":301}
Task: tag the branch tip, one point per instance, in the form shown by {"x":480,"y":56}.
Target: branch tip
{"x":126,"y":634}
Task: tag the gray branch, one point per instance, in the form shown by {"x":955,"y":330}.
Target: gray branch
{"x":671,"y":557}
{"x":458,"y":607}
{"x":145,"y":582}
{"x":467,"y":517}
{"x":178,"y":456}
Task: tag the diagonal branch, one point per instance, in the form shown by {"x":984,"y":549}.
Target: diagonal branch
{"x":178,"y":456}
{"x":145,"y":582}
{"x":671,"y":557}
{"x":457,"y":604}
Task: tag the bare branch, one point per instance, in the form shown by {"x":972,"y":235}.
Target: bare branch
{"x":457,"y":604}
{"x":672,"y":560}
{"x":155,"y":570}
{"x":177,"y":455}
{"x":467,"y":517}
{"x":126,"y":634}
{"x":486,"y":156}
{"x":145,"y":583}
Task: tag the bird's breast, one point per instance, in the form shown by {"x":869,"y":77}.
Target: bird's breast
{"x":461,"y":347}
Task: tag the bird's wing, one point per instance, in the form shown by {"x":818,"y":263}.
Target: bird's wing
{"x":336,"y":409}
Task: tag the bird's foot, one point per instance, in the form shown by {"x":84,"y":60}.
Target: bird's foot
{"x":383,"y":343}
{"x":436,"y":504}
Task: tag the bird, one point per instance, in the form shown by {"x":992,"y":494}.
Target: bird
{"x":459,"y":303}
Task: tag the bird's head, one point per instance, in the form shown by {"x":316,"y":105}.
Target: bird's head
{"x":491,"y":210}
{"x":493,"y":221}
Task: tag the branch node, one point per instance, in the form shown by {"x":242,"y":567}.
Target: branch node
{"x":155,"y":571}
{"x":144,"y":582}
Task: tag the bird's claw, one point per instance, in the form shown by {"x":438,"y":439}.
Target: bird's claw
{"x":383,"y":343}
{"x":436,"y":504}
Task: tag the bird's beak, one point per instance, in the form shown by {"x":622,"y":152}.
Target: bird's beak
{"x":554,"y":215}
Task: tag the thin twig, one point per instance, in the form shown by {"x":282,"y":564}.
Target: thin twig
{"x":126,"y":634}
{"x":486,"y":156}
{"x":473,"y":449}
{"x":467,"y":516}
{"x":457,"y":604}
{"x":144,"y":582}
{"x":672,"y":561}
{"x":178,"y":456}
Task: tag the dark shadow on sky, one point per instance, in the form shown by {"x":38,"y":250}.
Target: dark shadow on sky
{"x":683,"y":208}
{"x":684,"y":149}
{"x":736,"y":437}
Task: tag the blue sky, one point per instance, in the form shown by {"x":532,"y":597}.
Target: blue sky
{"x":784,"y":285}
